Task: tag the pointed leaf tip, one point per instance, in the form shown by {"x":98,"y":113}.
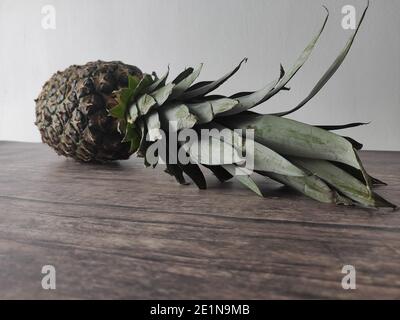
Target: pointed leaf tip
{"x":330,"y":72}
{"x":201,"y":89}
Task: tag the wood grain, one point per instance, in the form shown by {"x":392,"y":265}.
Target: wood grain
{"x":123,"y":231}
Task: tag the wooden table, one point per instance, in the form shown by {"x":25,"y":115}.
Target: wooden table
{"x":123,"y":231}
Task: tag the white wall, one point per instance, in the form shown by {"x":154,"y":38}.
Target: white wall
{"x":153,"y":33}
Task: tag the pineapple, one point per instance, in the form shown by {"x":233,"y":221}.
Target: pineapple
{"x":105,"y":111}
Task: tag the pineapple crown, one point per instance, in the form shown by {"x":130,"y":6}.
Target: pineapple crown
{"x":149,"y":102}
{"x":311,"y":159}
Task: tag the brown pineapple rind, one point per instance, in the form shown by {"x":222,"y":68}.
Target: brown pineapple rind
{"x":72,"y":111}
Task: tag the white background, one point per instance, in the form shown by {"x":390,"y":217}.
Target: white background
{"x":154,"y":33}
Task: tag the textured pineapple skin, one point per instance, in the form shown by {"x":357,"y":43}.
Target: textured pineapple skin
{"x":72,"y":111}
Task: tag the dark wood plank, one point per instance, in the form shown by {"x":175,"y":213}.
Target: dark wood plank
{"x":123,"y":231}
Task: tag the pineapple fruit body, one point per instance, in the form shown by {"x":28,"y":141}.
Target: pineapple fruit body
{"x":72,"y":111}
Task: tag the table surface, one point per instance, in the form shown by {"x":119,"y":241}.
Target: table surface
{"x":123,"y":231}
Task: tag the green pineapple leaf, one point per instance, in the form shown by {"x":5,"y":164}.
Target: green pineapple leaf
{"x":124,"y":98}
{"x":292,"y":138}
{"x":356,"y":145}
{"x":185,"y":73}
{"x":141,"y":87}
{"x":176,"y":116}
{"x":358,"y":174}
{"x":133,"y":81}
{"x":343,"y":182}
{"x":145,"y":103}
{"x":264,"y":158}
{"x":330,"y":72}
{"x":221,"y":174}
{"x":311,"y":186}
{"x":207,"y":110}
{"x":143,"y":144}
{"x":153,"y":126}
{"x":161,"y":95}
{"x":175,"y":171}
{"x":118,"y":111}
{"x":194,"y":172}
{"x":243,"y":177}
{"x":342,"y":126}
{"x":252,"y":99}
{"x":212,"y":151}
{"x":184,"y":81}
{"x":133,"y":113}
{"x":298,"y":64}
{"x":202,"y":88}
{"x":132,"y":137}
{"x":158,"y":83}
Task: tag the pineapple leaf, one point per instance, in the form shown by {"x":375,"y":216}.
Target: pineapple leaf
{"x":248,"y":93}
{"x":221,"y":174}
{"x":158,"y":83}
{"x":133,"y":113}
{"x":212,"y":152}
{"x":194,"y":172}
{"x":153,"y":126}
{"x":311,"y":186}
{"x":207,"y":110}
{"x":251,"y":100}
{"x":358,"y":174}
{"x":377,"y":182}
{"x":125,"y":96}
{"x":343,"y":126}
{"x":161,"y":95}
{"x":243,"y":177}
{"x":155,"y":76}
{"x":133,"y":81}
{"x":145,"y":103}
{"x":132,"y":137}
{"x":118,"y":111}
{"x":177,"y":172}
{"x":356,"y":145}
{"x":264,"y":158}
{"x":143,"y":144}
{"x":144,"y":83}
{"x":330,"y":72}
{"x":185,"y":73}
{"x":293,"y":138}
{"x":203,"y":88}
{"x":343,"y":182}
{"x":176,"y":116}
{"x":183,"y":82}
{"x":299,"y":62}
{"x":267,"y":160}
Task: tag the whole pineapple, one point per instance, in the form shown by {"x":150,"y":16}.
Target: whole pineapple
{"x":105,"y":111}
